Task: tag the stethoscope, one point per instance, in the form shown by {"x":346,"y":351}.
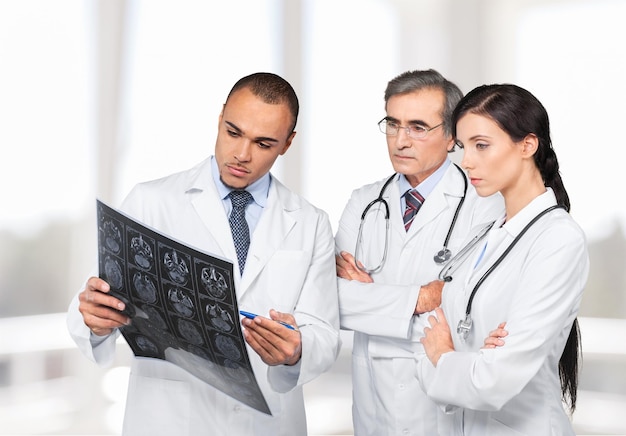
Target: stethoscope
{"x":442,"y":255}
{"x":465,"y":325}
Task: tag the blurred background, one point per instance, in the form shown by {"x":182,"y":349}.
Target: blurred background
{"x":97,"y":95}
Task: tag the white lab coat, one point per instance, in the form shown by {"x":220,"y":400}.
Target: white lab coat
{"x":537,"y":289}
{"x":387,"y":399}
{"x":290,"y":268}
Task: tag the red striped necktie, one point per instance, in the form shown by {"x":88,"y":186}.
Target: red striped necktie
{"x":414,"y":201}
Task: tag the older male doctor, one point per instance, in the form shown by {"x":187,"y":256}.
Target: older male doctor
{"x":288,"y":275}
{"x":430,"y":210}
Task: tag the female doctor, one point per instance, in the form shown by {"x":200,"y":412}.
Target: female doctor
{"x":527,"y":270}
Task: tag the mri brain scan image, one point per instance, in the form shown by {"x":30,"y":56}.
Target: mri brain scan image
{"x":176,"y":267}
{"x":142,"y":253}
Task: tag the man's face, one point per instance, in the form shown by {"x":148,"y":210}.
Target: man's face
{"x":251,"y":135}
{"x":418,"y":158}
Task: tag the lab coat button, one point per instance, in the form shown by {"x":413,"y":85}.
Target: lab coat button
{"x":401,"y":386}
{"x":237,"y":409}
{"x":405,"y":431}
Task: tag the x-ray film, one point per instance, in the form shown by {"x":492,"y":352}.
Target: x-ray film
{"x":182,"y":304}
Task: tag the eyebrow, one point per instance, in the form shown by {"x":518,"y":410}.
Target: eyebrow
{"x":411,"y":122}
{"x":479,"y":136}
{"x":257,"y":139}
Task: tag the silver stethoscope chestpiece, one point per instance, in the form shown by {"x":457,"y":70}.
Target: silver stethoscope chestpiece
{"x":464,"y":326}
{"x":442,"y":256}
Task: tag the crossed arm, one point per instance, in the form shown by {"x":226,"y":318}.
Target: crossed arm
{"x":437,"y":338}
{"x":429,"y":296}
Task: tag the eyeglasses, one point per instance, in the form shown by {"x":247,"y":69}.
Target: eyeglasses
{"x":415,"y":131}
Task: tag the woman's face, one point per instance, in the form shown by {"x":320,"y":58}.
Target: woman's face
{"x":492,"y":160}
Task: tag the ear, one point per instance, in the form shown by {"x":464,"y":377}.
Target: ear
{"x":530,"y":144}
{"x":288,"y":143}
{"x":451,"y":144}
{"x":219,"y":119}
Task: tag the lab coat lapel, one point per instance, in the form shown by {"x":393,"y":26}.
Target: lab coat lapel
{"x":434,"y":205}
{"x":502,"y":235}
{"x":275,"y":224}
{"x":451,"y":185}
{"x":491,"y":248}
{"x":205,"y":202}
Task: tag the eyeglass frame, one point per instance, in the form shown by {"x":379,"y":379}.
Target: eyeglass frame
{"x":425,"y":130}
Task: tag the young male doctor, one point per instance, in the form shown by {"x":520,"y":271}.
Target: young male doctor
{"x":287,"y":275}
{"x":420,"y":217}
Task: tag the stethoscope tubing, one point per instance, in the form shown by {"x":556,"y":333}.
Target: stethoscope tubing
{"x":468,"y":309}
{"x":445,"y":273}
{"x":380,"y":199}
{"x":439,"y":258}
{"x":456,"y":212}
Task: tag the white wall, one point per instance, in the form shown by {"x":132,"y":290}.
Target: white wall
{"x":97,"y":95}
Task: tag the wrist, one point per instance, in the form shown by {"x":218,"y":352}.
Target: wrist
{"x":293,"y":361}
{"x":419,"y":304}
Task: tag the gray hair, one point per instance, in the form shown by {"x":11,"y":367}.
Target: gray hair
{"x":411,"y":81}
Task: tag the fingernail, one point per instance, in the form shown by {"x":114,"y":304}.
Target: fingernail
{"x":121,"y":306}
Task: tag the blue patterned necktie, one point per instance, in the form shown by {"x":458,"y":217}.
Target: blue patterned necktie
{"x":414,"y":201}
{"x":239,"y":226}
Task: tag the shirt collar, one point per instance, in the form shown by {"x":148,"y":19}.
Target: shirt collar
{"x":427,"y":186}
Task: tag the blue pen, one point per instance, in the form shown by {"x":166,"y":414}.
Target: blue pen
{"x":253,"y":315}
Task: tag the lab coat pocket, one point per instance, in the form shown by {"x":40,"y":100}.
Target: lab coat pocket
{"x":151,"y":398}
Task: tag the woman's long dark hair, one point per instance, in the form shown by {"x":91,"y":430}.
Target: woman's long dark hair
{"x":519,"y":114}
